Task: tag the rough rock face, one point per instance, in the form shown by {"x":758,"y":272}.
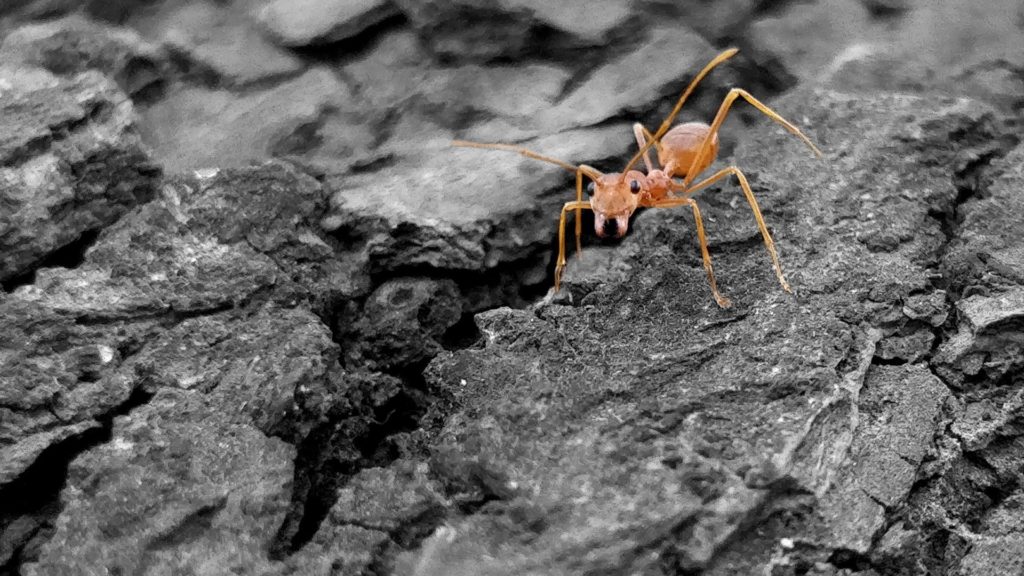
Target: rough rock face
{"x":178,"y":487}
{"x":273,"y":323}
{"x":71,"y":162}
{"x":75,"y":44}
{"x":316,"y":22}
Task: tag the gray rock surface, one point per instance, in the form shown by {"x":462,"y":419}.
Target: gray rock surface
{"x":197,"y":127}
{"x":75,"y":44}
{"x":178,"y":487}
{"x":220,"y":41}
{"x":71,"y":162}
{"x":317,"y":343}
{"x":309,"y":22}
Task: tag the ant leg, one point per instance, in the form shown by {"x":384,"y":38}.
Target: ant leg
{"x":768,"y":243}
{"x":667,"y":122}
{"x":722,"y":301}
{"x":642,"y":136}
{"x":560,"y":263}
{"x":517,"y":149}
{"x":720,"y":117}
{"x":580,"y":171}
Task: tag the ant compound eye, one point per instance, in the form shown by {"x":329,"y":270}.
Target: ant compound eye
{"x":634,"y":187}
{"x":591,"y":188}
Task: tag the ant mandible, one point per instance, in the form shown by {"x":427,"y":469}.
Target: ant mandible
{"x":684,"y":152}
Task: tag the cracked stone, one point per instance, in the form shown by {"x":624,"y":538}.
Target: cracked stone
{"x":467,"y":219}
{"x":900,"y":407}
{"x":178,"y":487}
{"x":987,"y":255}
{"x":219,"y":40}
{"x":75,"y":44}
{"x":71,"y":162}
{"x":195,"y":128}
{"x":458,"y":29}
{"x":312,"y":22}
{"x":988,"y":339}
{"x":403,"y":322}
{"x":568,"y":405}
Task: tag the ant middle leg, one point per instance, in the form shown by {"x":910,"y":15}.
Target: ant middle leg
{"x":722,"y":301}
{"x":749,"y":194}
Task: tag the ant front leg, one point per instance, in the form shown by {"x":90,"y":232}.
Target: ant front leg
{"x":560,"y":263}
{"x":580,"y":171}
{"x":768,"y":243}
{"x":722,"y":301}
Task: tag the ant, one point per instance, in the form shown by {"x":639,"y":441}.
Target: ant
{"x":684,"y":152}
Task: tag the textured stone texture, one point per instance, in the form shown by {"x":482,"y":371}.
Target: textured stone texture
{"x":321,"y":22}
{"x":218,"y":41}
{"x":196,"y":127}
{"x":274,"y":367}
{"x":74,"y":44}
{"x":177,"y":488}
{"x":70,"y":162}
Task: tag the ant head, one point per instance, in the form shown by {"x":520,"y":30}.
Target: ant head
{"x":614,"y":198}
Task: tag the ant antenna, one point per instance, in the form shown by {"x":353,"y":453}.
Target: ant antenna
{"x":679,"y":106}
{"x":529,"y":154}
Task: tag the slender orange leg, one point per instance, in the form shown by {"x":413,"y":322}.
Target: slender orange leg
{"x":667,"y":123}
{"x":580,"y":171}
{"x":642,"y":137}
{"x":768,"y":243}
{"x":560,"y":263}
{"x":723,"y":110}
{"x":517,"y":149}
{"x":673,"y":202}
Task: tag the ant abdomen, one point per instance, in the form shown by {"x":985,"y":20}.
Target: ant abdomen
{"x":680,"y":145}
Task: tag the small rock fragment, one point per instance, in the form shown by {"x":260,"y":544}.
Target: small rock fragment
{"x":312,"y":22}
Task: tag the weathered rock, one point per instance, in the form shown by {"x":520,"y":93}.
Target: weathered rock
{"x":71,"y":162}
{"x":28,"y":9}
{"x":78,"y":343}
{"x":659,"y":66}
{"x":988,"y":342}
{"x":939,"y":46}
{"x":469,"y":31}
{"x":377,"y":513}
{"x":997,"y":549}
{"x":664,"y":447}
{"x":179,"y":487}
{"x":213,"y":244}
{"x":210,"y":242}
{"x":986,"y":256}
{"x":269,"y":370}
{"x":900,"y":408}
{"x":58,"y":379}
{"x":312,"y":22}
{"x":194,"y":128}
{"x":218,"y":41}
{"x":490,"y":210}
{"x":76,"y":44}
{"x":403,"y":322}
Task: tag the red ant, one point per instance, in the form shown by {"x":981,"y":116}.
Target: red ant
{"x":683,"y":152}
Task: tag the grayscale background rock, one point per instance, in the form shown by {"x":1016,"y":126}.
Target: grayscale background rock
{"x":258,"y":316}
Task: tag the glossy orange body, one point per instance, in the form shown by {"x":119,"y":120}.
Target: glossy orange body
{"x":680,"y":145}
